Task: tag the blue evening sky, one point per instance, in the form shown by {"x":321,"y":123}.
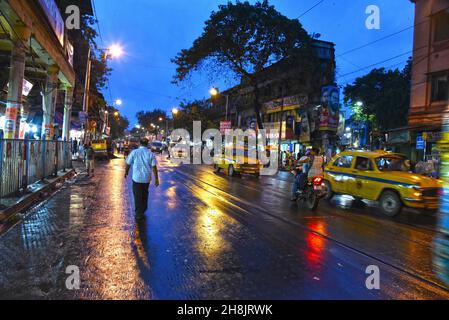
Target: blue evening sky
{"x":153,"y":31}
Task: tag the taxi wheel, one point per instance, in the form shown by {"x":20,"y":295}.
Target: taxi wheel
{"x":231,"y":171}
{"x":328,"y":189}
{"x":217,"y":169}
{"x":390,"y":203}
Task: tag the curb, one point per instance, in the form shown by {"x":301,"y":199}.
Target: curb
{"x":30,"y":200}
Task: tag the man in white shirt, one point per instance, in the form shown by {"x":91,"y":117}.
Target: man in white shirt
{"x":143,"y":162}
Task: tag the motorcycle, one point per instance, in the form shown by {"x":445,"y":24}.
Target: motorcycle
{"x":313,"y":192}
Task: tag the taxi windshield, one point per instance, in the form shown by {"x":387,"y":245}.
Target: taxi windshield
{"x":391,"y":163}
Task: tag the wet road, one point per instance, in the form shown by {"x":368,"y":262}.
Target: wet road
{"x":210,"y":236}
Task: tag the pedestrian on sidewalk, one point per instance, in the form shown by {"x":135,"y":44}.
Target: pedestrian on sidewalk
{"x":74,"y":147}
{"x":143,"y":162}
{"x":89,"y":159}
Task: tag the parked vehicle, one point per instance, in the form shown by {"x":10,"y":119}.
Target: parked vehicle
{"x":101,"y":148}
{"x":380,"y":176}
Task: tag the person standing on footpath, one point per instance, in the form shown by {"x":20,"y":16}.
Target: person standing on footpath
{"x":89,"y":159}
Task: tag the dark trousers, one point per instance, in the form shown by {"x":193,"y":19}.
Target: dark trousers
{"x":140,"y":191}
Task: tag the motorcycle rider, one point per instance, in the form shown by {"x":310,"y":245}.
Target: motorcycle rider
{"x":301,"y":172}
{"x":311,"y":166}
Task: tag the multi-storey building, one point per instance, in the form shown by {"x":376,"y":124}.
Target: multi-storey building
{"x":430,"y":75}
{"x":291,"y":102}
{"x":36,"y":68}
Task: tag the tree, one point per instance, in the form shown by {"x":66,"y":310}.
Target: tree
{"x":244,"y":39}
{"x":117,"y":123}
{"x":385,"y":97}
{"x":197,"y":110}
{"x":145,"y":119}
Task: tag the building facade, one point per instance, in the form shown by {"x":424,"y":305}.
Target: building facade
{"x":298,"y":106}
{"x":36,"y":70}
{"x":430,"y":76}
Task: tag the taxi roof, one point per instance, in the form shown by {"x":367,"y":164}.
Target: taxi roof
{"x":370,"y":154}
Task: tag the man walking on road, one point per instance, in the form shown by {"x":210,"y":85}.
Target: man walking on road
{"x":142,"y":161}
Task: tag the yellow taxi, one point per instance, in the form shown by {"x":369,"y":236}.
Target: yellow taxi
{"x":381,"y":176}
{"x":241,"y":162}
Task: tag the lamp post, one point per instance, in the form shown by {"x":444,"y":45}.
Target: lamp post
{"x":215,"y":92}
{"x":174,"y":112}
{"x":114,"y":51}
{"x":161,"y":119}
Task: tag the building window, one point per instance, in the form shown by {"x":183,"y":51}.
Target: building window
{"x":440,"y":87}
{"x":441,"y":26}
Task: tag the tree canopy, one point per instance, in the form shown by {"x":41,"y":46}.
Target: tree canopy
{"x":244,"y":39}
{"x":197,"y":110}
{"x":117,"y":123}
{"x":147,"y":118}
{"x":385,"y":97}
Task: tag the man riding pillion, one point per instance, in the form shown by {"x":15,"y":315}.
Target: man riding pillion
{"x":317,"y":167}
{"x":309,"y":167}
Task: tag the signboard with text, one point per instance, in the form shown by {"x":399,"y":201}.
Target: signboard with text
{"x":420,"y":145}
{"x":54,"y":17}
{"x":26,"y":87}
{"x":287,"y":103}
{"x":225,"y":125}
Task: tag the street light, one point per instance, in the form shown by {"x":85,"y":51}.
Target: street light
{"x":359,"y":103}
{"x":118,"y":102}
{"x":174,"y":112}
{"x":115,"y":51}
{"x":214,"y":92}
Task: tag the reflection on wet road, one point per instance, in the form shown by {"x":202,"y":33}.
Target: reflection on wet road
{"x":209,"y":236}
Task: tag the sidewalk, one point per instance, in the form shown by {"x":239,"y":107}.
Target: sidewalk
{"x":37,"y":192}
